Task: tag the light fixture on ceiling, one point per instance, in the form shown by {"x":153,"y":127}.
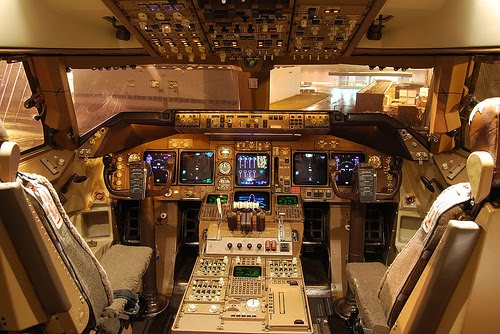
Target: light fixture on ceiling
{"x":374,"y":32}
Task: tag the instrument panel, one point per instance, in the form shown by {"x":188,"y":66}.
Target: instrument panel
{"x":255,"y":167}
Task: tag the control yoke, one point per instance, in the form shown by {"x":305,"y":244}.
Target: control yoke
{"x":364,"y":184}
{"x":141,"y":181}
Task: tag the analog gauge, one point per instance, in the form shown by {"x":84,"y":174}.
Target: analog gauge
{"x":224,"y":152}
{"x":224,"y":183}
{"x":225,"y":168}
{"x":375,"y":161}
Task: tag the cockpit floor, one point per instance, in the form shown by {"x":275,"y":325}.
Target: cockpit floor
{"x":186,"y":258}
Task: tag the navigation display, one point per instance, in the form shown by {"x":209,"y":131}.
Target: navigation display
{"x":158,"y":162}
{"x":197,"y":168}
{"x":252,"y":169}
{"x":254,"y":196}
{"x":345,"y":164}
{"x":310,"y":169}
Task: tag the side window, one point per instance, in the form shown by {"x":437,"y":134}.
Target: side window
{"x":21,"y":127}
{"x":486,"y":85}
{"x":488,"y":82}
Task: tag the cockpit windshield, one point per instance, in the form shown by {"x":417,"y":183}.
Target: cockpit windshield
{"x":100,"y":93}
{"x":399,"y":92}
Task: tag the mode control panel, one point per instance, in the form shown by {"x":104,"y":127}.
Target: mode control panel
{"x":259,"y":120}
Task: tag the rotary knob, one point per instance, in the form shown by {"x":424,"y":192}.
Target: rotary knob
{"x":239,"y":245}
{"x":253,"y":305}
{"x":249,"y":246}
{"x":229,"y":245}
{"x":259,"y":245}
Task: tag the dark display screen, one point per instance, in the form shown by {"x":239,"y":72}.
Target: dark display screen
{"x":197,"y":167}
{"x":158,"y":162}
{"x":247,"y":271}
{"x":345,"y":164}
{"x":254,"y":196}
{"x":252,"y":169}
{"x":310,"y":169}
{"x":287,"y":200}
{"x":212,"y":199}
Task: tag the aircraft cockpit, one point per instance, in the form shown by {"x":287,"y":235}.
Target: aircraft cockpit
{"x":242,"y":166}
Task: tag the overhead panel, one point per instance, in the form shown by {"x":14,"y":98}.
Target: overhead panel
{"x":322,"y":29}
{"x":243,"y":30}
{"x":249,"y":28}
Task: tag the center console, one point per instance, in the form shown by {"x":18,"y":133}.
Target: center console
{"x":248,"y":277}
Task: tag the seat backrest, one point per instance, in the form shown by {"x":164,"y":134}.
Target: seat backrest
{"x":404,"y":272}
{"x":73,"y":249}
{"x":435,"y":288}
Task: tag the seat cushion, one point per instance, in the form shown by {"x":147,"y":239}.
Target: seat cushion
{"x":364,"y":281}
{"x":125,"y":266}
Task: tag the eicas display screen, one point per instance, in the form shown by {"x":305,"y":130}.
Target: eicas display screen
{"x":310,"y":169}
{"x":212,"y":198}
{"x":252,"y":169}
{"x":345,"y":164}
{"x":254,"y":196}
{"x":247,"y":271}
{"x":158,"y":162}
{"x":287,"y":200}
{"x":197,"y":167}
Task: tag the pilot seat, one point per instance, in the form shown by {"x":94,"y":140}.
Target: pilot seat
{"x":447,"y":234}
{"x":49,"y":276}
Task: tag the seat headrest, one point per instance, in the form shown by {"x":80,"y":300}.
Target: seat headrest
{"x":480,"y":172}
{"x":485,"y":133}
{"x":10,"y":154}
